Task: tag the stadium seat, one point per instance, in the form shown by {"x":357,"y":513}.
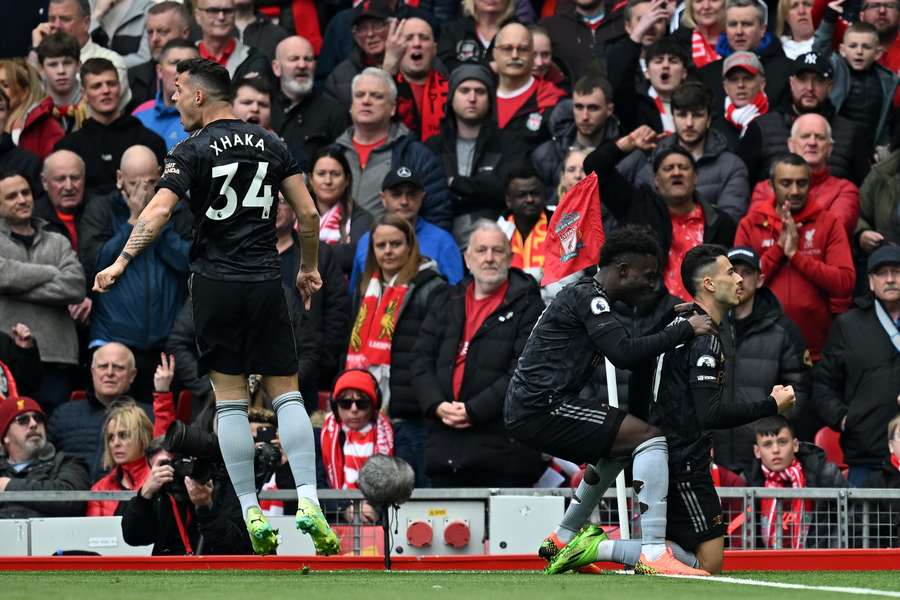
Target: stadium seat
{"x":829,"y":440}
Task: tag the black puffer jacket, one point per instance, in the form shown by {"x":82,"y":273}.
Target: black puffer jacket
{"x":766,"y":349}
{"x":858,"y":378}
{"x":766,"y":140}
{"x":221,"y":526}
{"x":404,"y":403}
{"x":490,"y":361}
{"x":51,"y":471}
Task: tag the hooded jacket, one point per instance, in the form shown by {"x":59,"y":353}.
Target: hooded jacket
{"x":36,"y":285}
{"x":767,"y":349}
{"x":838,"y":196}
{"x":101,"y":147}
{"x":49,"y":471}
{"x":494,"y":349}
{"x":879,"y":198}
{"x":547,"y":158}
{"x":459,"y":43}
{"x":575,"y":43}
{"x":819,"y":272}
{"x":644,"y":206}
{"x":400,"y":149}
{"x":721,"y":176}
{"x":858,"y":379}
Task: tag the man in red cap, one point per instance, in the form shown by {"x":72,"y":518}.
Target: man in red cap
{"x":31,"y":464}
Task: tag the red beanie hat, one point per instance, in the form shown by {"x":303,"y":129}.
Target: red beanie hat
{"x":356,"y":379}
{"x":13,"y":407}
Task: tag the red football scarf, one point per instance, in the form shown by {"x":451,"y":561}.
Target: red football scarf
{"x":895,"y":461}
{"x":342,"y":463}
{"x":431,"y":111}
{"x":701,"y":52}
{"x":793,"y":529}
{"x":330,"y":225}
{"x":665,"y":115}
{"x":575,"y":232}
{"x":8,"y":390}
{"x":742,"y":117}
{"x":373,"y":331}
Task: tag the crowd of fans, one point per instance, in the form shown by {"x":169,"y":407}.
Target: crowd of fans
{"x":438,"y":137}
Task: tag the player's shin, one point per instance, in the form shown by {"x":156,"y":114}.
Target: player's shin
{"x":650,"y":469}
{"x":238,"y":450}
{"x":296,"y":436}
{"x":628,"y":552}
{"x":596,"y":481}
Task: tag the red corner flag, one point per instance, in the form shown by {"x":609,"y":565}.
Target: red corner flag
{"x":575,"y":234}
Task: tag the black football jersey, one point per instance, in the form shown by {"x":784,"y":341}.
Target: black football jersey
{"x":230,"y":173}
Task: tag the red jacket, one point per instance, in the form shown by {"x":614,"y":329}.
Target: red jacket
{"x":836,"y":195}
{"x":137,"y":471}
{"x":41,"y":131}
{"x":820,"y":271}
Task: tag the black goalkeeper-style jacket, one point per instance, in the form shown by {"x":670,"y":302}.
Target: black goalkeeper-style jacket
{"x":690,"y":400}
{"x":570,"y":340}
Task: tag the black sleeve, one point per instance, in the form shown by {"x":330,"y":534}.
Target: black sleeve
{"x":336,"y":311}
{"x":616,"y":193}
{"x":829,"y":376}
{"x":183,"y":345}
{"x":179,"y":169}
{"x":425,"y":353}
{"x":707,"y":392}
{"x":139,"y":522}
{"x":23,"y":363}
{"x":622,"y":64}
{"x":94,"y":230}
{"x":610,"y":338}
{"x":307,"y":338}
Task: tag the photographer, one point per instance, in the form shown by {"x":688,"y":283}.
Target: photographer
{"x":180,"y":515}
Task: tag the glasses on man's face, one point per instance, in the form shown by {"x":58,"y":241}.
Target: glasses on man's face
{"x":509,"y":49}
{"x":25,"y":419}
{"x":365,"y":28}
{"x":879,"y":6}
{"x":347,"y":404}
{"x":215,"y":10}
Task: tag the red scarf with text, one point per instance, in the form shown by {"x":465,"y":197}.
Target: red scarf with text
{"x":373,"y":330}
{"x":343,"y":462}
{"x":701,"y":51}
{"x":793,"y":529}
{"x":430,"y":110}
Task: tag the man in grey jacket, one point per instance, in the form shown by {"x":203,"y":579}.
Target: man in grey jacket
{"x":722,"y":179}
{"x":40,"y":276}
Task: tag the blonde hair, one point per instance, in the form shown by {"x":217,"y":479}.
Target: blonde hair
{"x":468,"y":7}
{"x":893,"y":426}
{"x":687,"y":16}
{"x":781,"y":25}
{"x":135,"y":421}
{"x":27,"y":78}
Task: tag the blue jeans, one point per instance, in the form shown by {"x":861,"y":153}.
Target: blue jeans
{"x":858,"y":474}
{"x":409,"y":444}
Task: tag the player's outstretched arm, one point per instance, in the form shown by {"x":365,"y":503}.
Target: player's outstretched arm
{"x":148,"y":227}
{"x":297,"y":196}
{"x":612,"y":340}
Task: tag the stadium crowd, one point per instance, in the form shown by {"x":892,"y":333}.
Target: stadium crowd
{"x":438,"y":137}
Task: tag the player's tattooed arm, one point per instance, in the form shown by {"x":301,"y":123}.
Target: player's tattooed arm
{"x":142,"y":236}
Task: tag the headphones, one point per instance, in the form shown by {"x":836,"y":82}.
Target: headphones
{"x":377,"y":401}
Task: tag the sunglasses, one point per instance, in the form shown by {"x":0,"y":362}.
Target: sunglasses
{"x":24,"y":419}
{"x":347,"y":404}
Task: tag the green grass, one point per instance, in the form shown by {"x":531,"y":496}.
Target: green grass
{"x":325,"y":585}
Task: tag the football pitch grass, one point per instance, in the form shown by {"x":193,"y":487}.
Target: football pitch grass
{"x":452,"y":585}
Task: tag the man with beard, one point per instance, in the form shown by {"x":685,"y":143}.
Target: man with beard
{"x":421,"y":85}
{"x":160,"y":115}
{"x":31,"y":464}
{"x":251,"y":101}
{"x":166,"y":21}
{"x":305,"y":118}
{"x":581,"y":29}
{"x":810,"y":85}
{"x":678,"y":216}
{"x":544,"y":410}
{"x":523,"y":102}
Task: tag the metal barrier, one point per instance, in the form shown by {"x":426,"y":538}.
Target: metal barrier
{"x":809,"y":518}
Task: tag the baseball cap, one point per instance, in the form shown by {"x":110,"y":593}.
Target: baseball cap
{"x":401,"y":174}
{"x":746,"y":255}
{"x":10,"y":408}
{"x":372,"y":9}
{"x":747,"y":61}
{"x":815,"y":62}
{"x":358,"y":380}
{"x":888,"y":254}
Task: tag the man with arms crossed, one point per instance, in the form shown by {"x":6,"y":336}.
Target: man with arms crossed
{"x":230,"y":173}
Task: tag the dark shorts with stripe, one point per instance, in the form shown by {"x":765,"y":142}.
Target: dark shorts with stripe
{"x":575,"y":430}
{"x":694,"y":512}
{"x":243,"y":327}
